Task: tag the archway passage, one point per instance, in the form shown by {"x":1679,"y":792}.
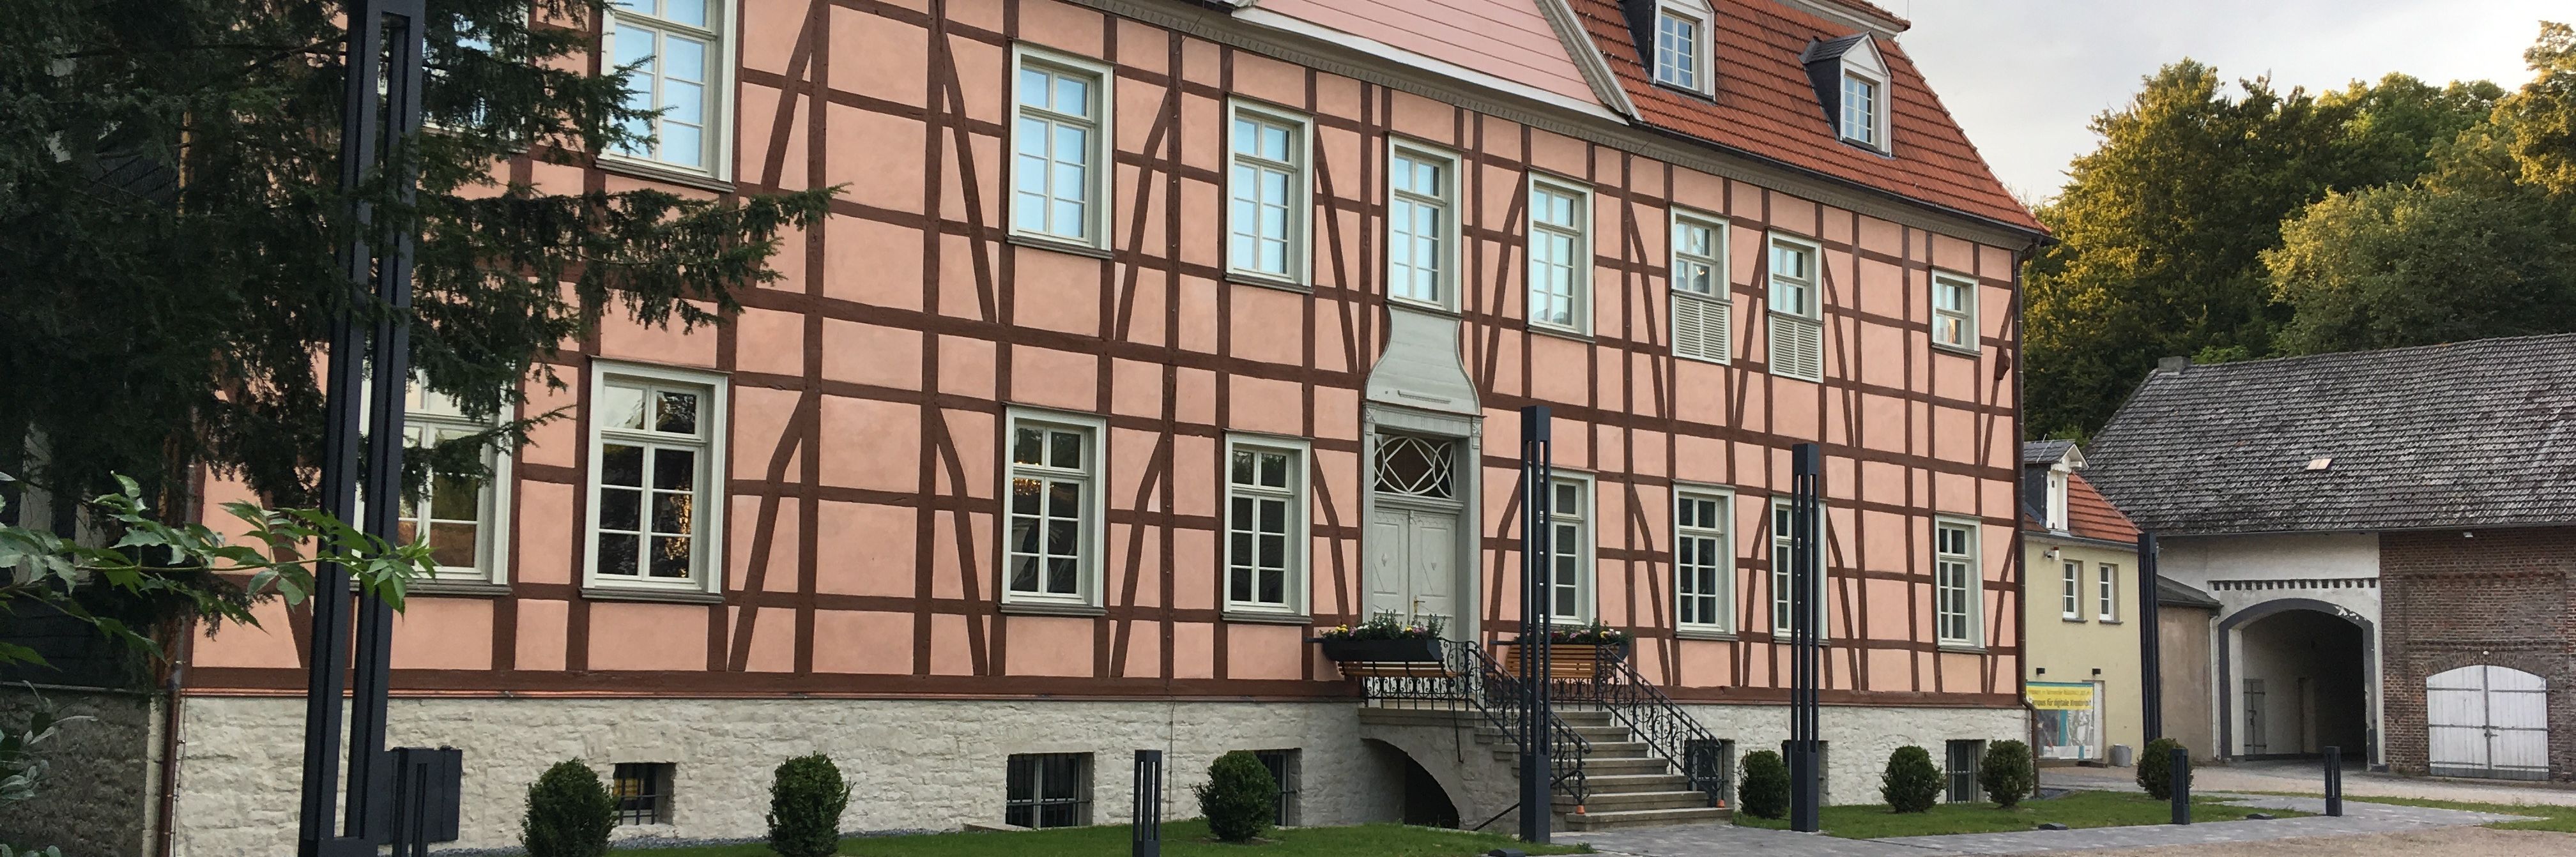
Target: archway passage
{"x":1426,"y":804}
{"x":2487,"y":721}
{"x":2303,"y":686}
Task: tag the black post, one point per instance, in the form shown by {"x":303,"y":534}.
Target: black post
{"x":1147,"y":839}
{"x":380,"y":114}
{"x":2181,"y":786}
{"x":1537,"y":597}
{"x":2151,"y":660}
{"x":2334,"y":781}
{"x":1806,"y":571}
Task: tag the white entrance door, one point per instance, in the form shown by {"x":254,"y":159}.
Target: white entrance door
{"x":2487,"y":721}
{"x":1413,"y":561}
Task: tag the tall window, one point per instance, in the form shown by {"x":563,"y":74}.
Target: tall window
{"x":1682,"y":45}
{"x":1797,"y":317}
{"x":1054,"y":510}
{"x":1267,"y":214}
{"x":1047,"y":790}
{"x":2107,"y":596}
{"x":656,"y":477}
{"x":1963,"y":757}
{"x":1265,"y":522}
{"x":1283,"y":765}
{"x":1059,"y":177}
{"x":1954,"y":581}
{"x":1860,"y":110}
{"x":1569,"y":549}
{"x":1704,"y":559}
{"x":1954,"y":312}
{"x":1702,"y":310}
{"x":1421,"y":190}
{"x":459,"y":519}
{"x":1560,"y":253}
{"x":2071,"y":604}
{"x":1783,"y":527}
{"x":675,"y":57}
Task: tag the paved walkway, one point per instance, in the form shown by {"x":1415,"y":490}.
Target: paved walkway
{"x":1729,"y":841}
{"x":2309,"y":778}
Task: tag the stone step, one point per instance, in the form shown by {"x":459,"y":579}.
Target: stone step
{"x":1601,"y":801}
{"x":1601,"y":783}
{"x":1645,"y":818}
{"x":1594,"y":767}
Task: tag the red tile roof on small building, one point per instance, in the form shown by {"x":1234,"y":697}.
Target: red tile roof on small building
{"x":2091,"y":515}
{"x":1766,"y":107}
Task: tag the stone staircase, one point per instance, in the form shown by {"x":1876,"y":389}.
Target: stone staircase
{"x":1629,"y":785}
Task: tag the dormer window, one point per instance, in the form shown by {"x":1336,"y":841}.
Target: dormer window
{"x":1860,"y":110}
{"x":1851,"y":81}
{"x":2057,"y":499}
{"x":1682,"y":34}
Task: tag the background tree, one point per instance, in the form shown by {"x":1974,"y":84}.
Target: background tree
{"x":2543,"y":113}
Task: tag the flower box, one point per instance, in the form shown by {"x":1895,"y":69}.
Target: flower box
{"x":1415,"y":650}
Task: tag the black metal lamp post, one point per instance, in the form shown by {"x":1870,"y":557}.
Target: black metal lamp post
{"x":1806,"y":665}
{"x":1537,"y":596}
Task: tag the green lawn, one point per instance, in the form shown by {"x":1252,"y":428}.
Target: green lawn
{"x":2075,"y":809}
{"x":1180,"y":839}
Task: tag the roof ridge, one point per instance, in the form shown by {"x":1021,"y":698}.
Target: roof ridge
{"x":2371,"y":352}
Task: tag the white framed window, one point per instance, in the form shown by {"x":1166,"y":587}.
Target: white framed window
{"x":1059,"y":136}
{"x":1954,"y":312}
{"x":1570,"y":549}
{"x":2070,"y":605}
{"x":1422,"y":225}
{"x":1863,"y":97}
{"x":1266,"y":187}
{"x":657,"y":471}
{"x":1956,"y":579}
{"x":1783,"y":529}
{"x":680,"y":64}
{"x":1704,"y":558}
{"x":1703,"y":305}
{"x":1560,"y":254}
{"x":2106,"y":582}
{"x":1053,"y":504}
{"x":1683,"y":45}
{"x":1797,"y":326}
{"x":1265,"y":525}
{"x":464,"y":522}
{"x":2057,"y":519}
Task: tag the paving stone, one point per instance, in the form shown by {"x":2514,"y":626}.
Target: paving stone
{"x":1725,"y":841}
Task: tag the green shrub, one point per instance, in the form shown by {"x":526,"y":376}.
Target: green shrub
{"x":569,"y":813}
{"x":1765,"y":790}
{"x":1911,"y":783}
{"x":1239,"y":798}
{"x":806,"y":797}
{"x":2155,"y":768}
{"x":2006,"y":773}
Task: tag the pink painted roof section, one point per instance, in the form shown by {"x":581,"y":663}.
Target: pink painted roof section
{"x":1509,"y":39}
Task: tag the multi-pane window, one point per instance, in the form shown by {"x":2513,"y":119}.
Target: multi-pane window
{"x":1283,"y":766}
{"x":1860,"y":110}
{"x":2071,"y":603}
{"x":1421,"y":188}
{"x":2107,"y":595}
{"x":1266,"y":220}
{"x":1703,"y":559}
{"x":1265,"y":526}
{"x":674,"y":59}
{"x":1954,"y":581}
{"x":1053,"y":508}
{"x":1796,"y":323}
{"x":1962,"y":759}
{"x":1678,"y":44}
{"x":1057,"y":180}
{"x":1047,"y":790}
{"x":1784,"y":528}
{"x":458,"y":518}
{"x":1569,"y":544}
{"x":1954,"y":312}
{"x":1702,"y":313}
{"x":656,"y":476}
{"x":642,"y":791}
{"x":1560,"y":255}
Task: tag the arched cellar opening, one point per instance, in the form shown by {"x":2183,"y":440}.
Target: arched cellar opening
{"x":1426,"y":804}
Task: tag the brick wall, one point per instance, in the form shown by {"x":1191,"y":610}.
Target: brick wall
{"x":2502,"y":597}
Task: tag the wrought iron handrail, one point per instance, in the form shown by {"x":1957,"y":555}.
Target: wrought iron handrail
{"x":1468,"y":678}
{"x":1664,"y":727}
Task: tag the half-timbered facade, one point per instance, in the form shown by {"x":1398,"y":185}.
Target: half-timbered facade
{"x":1147,"y":337}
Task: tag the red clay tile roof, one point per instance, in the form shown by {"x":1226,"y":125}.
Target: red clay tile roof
{"x":1873,"y":10}
{"x":2092,"y":516}
{"x":1766,"y":107}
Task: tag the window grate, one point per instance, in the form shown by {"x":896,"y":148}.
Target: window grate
{"x":1964,"y":757}
{"x":643,"y":792}
{"x":1048,"y":790}
{"x":1283,"y":765}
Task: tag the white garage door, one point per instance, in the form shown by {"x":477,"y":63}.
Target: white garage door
{"x":2488,"y":721}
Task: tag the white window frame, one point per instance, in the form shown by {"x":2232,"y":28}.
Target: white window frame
{"x":1811,"y":315}
{"x":2070,"y":605}
{"x":1097,"y":165}
{"x":2057,"y":505}
{"x":1966,"y":316}
{"x":1780,"y":547}
{"x":1298,"y":578}
{"x":1699,"y":65}
{"x":721,"y":59}
{"x":1445,"y":279}
{"x":2106,"y":594}
{"x":1579,"y":235}
{"x":1094,"y":531}
{"x":492,"y":554}
{"x":1877,"y":110}
{"x":1723,"y":590}
{"x":1720,"y":302}
{"x":1970,"y":588}
{"x":707,"y":560}
{"x":1583,"y":552}
{"x":1299,"y":256}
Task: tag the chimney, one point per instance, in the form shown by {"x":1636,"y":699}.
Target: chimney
{"x":2173,"y":364}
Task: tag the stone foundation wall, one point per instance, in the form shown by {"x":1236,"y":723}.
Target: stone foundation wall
{"x":1858,"y":739}
{"x":95,"y":799}
{"x":912,"y":764}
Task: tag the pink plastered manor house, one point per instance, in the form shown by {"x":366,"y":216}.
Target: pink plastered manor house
{"x":1150,"y":336}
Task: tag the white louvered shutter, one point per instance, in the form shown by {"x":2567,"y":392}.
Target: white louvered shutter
{"x":1700,"y":327}
{"x":1797,"y":347}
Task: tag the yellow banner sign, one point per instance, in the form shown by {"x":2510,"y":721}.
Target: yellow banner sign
{"x":2061,"y":697}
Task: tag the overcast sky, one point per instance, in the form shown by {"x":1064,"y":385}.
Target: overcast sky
{"x":2025,"y":76}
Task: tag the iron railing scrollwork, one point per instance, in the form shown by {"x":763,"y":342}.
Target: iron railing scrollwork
{"x":1665,"y":728}
{"x":1467,"y":679}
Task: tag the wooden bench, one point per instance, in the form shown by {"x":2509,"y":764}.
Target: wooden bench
{"x":1564,"y":662}
{"x":1396,"y":669}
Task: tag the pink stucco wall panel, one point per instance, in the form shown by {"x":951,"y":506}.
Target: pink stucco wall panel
{"x":1049,"y":646}
{"x":890,"y":67}
{"x":872,"y":444}
{"x":634,"y":636}
{"x":668,"y":345}
{"x":772,"y":647}
{"x":1063,"y":26}
{"x":1265,"y":652}
{"x":867,"y":549}
{"x":873,"y":263}
{"x":1047,"y":377}
{"x":860,"y":641}
{"x":541,"y":633}
{"x":768,"y":552}
{"x":1193,"y":650}
{"x":545,"y":529}
{"x":949,"y":650}
{"x":971,"y":542}
{"x":878,"y":155}
{"x":1197,"y":551}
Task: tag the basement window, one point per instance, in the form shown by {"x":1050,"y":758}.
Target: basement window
{"x":642,"y":791}
{"x":1283,"y":765}
{"x":1048,"y":790}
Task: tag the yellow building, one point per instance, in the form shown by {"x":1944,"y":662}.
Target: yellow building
{"x":2081,"y":631}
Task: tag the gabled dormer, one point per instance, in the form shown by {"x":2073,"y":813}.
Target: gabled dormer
{"x":1677,"y":42}
{"x":2048,"y":471}
{"x":1852,"y":83}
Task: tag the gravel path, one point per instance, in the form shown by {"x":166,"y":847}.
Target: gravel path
{"x":2446,"y":842}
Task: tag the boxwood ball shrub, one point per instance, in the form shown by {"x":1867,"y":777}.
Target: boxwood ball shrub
{"x":2006,"y":773}
{"x":1765,"y":790}
{"x":806,"y":797}
{"x":569,"y":813}
{"x":2155,"y":768}
{"x":1911,"y":783}
{"x":1239,"y":798}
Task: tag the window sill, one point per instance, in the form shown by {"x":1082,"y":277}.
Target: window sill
{"x":1684,"y":91}
{"x":1713,"y":361}
{"x":648,"y":170}
{"x":1704,"y":634}
{"x":1247,"y":278}
{"x":1962,"y":648}
{"x":2077,"y":620}
{"x":2108,"y":622}
{"x":664,"y":596}
{"x":1545,"y":329}
{"x":458,"y":588}
{"x":1040,"y":608}
{"x":1956,"y":350}
{"x":1263,"y":617}
{"x":1041,"y":242}
{"x":1425,"y":307}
